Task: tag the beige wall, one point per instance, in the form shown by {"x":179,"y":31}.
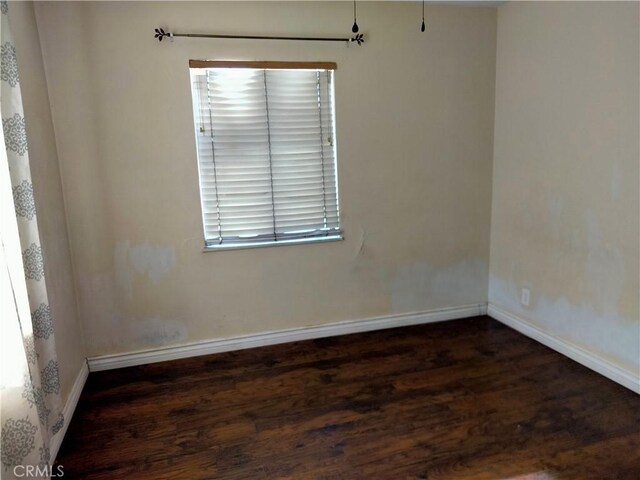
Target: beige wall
{"x":566,"y":178}
{"x":415,"y":132}
{"x":415,"y":147}
{"x":48,"y":195}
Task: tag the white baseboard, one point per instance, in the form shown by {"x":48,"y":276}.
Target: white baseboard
{"x":108,"y":362}
{"x":613,"y":372}
{"x":69,"y":408}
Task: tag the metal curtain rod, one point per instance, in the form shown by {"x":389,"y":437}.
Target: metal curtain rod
{"x":160,"y":34}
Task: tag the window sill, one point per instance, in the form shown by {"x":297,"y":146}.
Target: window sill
{"x":296,"y":241}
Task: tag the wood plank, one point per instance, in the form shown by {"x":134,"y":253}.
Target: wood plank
{"x":275,"y":65}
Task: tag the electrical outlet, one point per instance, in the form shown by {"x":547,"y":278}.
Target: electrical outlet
{"x":525,"y":297}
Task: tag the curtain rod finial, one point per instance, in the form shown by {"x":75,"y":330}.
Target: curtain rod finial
{"x":160,"y":34}
{"x":358,"y":38}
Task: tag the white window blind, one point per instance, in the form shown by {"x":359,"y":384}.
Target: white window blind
{"x":266,"y":154}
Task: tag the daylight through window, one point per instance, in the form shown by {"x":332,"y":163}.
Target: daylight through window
{"x":266,"y":152}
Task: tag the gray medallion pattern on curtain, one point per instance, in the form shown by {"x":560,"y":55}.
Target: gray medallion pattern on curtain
{"x":32,"y":411}
{"x":9,"y":64}
{"x":50,"y":377}
{"x":42,"y":322}
{"x":33,"y":262}
{"x":18,"y":440}
{"x":15,"y":134}
{"x":30,"y":350}
{"x":23,"y":199}
{"x":35,"y":397}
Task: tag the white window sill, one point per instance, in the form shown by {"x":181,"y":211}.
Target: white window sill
{"x":295,"y":241}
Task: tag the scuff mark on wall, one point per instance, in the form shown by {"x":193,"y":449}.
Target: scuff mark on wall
{"x":123,"y":272}
{"x":115,"y":325}
{"x":99,"y":305}
{"x":153,"y":260}
{"x":157,"y":332}
{"x":605,"y":269}
{"x":112,"y":329}
{"x":421,"y":286}
{"x":609,"y":335}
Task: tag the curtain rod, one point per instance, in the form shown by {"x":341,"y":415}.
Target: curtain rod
{"x":160,"y":34}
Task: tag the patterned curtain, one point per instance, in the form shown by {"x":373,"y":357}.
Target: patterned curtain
{"x":31,"y":410}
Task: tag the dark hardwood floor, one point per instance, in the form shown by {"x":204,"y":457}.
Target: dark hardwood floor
{"x":462,"y":399}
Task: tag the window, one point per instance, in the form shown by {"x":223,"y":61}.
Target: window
{"x":265,"y":136}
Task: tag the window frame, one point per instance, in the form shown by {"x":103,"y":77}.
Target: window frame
{"x":335,"y":235}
